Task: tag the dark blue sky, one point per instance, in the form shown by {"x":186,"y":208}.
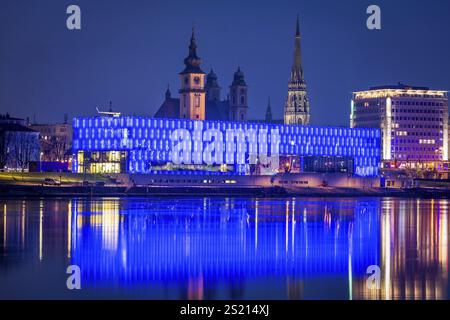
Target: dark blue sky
{"x":128,"y":51}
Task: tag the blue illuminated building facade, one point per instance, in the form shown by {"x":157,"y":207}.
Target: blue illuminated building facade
{"x":145,"y":145}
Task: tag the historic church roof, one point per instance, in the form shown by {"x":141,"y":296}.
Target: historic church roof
{"x":170,"y":108}
{"x":214,"y":109}
{"x":192,"y":61}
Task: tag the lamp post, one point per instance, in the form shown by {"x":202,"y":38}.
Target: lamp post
{"x":40,"y":161}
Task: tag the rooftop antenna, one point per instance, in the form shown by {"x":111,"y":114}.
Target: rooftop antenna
{"x":109,"y":113}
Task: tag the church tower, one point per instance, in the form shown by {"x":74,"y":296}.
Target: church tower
{"x":192,"y":92}
{"x":212,"y":87}
{"x":296,"y":109}
{"x":238,"y":97}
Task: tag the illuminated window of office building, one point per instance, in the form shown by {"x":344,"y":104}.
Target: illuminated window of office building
{"x":80,"y":160}
{"x":102,"y":161}
{"x":105,"y":167}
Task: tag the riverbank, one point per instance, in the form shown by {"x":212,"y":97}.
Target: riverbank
{"x":11,"y":190}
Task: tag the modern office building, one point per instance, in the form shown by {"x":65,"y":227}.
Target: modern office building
{"x":150,"y":145}
{"x":413,"y":123}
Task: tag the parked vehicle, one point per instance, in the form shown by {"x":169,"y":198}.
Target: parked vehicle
{"x":51,"y":182}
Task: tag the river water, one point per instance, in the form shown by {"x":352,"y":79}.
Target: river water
{"x":224,"y":248}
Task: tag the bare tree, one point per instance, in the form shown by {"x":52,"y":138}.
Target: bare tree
{"x":60,"y":144}
{"x":25,"y":146}
{"x":4,"y":145}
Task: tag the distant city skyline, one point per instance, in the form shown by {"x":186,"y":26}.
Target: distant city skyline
{"x":129,"y":52}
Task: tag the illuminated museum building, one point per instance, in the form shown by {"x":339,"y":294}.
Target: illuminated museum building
{"x":413,"y":123}
{"x":144,"y":145}
{"x":121,"y":144}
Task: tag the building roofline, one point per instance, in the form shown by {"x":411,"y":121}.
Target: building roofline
{"x":400,"y":87}
{"x":237,"y":123}
{"x":429,"y":91}
{"x":14,"y":127}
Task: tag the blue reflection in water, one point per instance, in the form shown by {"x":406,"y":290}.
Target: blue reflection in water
{"x":211,"y":240}
{"x":218,"y":248}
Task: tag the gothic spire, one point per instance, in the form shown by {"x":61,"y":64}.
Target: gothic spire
{"x":296,"y":109}
{"x":297,"y":69}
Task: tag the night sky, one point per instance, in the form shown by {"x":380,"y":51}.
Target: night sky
{"x":128,"y":51}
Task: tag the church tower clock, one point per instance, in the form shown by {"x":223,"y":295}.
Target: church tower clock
{"x":192,"y":92}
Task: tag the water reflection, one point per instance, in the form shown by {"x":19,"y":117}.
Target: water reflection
{"x":414,"y":241}
{"x":222,"y":248}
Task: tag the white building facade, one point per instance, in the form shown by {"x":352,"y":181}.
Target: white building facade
{"x":413,"y":122}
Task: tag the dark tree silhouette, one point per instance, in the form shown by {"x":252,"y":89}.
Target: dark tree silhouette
{"x":4,"y":146}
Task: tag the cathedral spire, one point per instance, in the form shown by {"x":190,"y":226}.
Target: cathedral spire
{"x":297,"y":69}
{"x":296,"y":110}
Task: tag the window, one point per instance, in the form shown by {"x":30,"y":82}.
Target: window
{"x":197,"y":101}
